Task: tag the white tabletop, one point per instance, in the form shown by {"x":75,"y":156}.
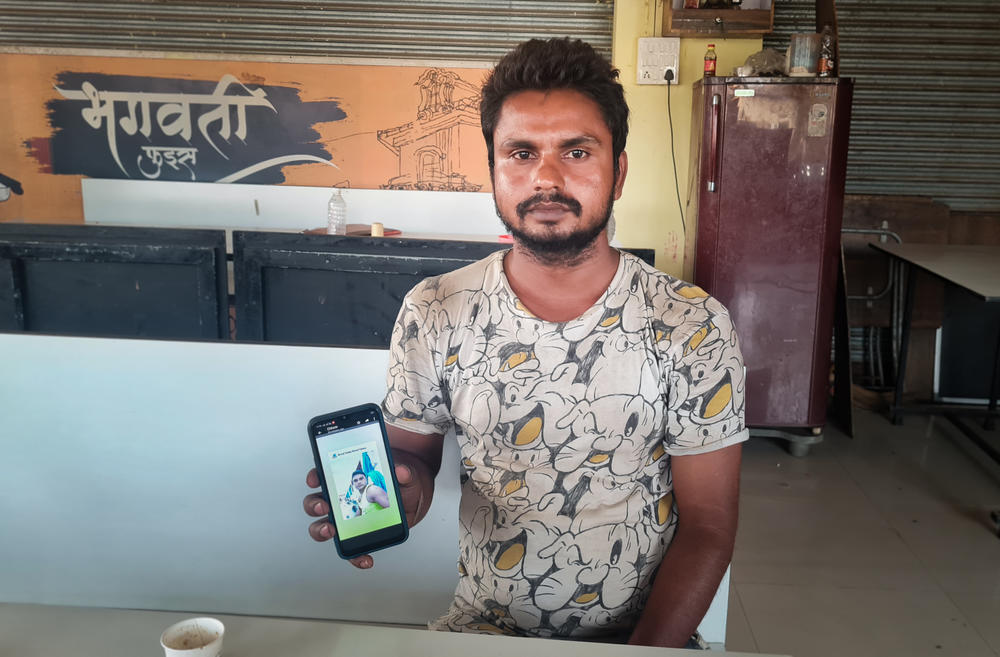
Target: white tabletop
{"x":974,"y":267}
{"x":52,"y":631}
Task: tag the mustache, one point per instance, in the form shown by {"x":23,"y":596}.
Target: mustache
{"x":528,"y":204}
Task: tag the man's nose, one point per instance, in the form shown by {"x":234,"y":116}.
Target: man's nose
{"x":548,"y":173}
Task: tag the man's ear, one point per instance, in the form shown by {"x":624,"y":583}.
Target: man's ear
{"x":622,"y":170}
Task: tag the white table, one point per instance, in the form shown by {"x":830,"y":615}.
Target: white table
{"x":51,"y":631}
{"x":975,"y":268}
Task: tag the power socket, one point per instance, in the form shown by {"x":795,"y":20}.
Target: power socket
{"x":657,"y":55}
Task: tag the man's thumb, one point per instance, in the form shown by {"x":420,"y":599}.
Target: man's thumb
{"x":403,"y":475}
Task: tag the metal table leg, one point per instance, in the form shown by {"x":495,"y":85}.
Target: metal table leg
{"x":906,"y":276}
{"x":989,"y":424}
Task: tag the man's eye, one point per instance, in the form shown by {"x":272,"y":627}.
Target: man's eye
{"x":521,"y":155}
{"x":577,"y":153}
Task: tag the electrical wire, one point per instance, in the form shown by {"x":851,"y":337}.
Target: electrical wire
{"x":668,"y":76}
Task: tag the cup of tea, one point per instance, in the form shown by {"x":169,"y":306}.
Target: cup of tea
{"x":193,"y":637}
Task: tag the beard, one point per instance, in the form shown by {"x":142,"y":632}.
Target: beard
{"x":555,"y":249}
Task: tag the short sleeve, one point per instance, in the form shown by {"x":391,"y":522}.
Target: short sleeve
{"x":706,"y":388}
{"x":415,"y":400}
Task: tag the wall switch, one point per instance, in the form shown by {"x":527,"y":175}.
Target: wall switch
{"x":657,"y":55}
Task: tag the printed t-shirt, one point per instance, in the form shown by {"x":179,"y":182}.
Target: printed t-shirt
{"x":566,"y":431}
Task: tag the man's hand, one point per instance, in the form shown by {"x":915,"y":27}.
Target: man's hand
{"x":417,"y":458}
{"x":323,"y":529}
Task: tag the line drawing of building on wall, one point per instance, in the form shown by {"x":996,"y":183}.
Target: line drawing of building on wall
{"x":428,"y":149}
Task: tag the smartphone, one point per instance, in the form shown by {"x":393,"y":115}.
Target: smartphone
{"x":356,"y":474}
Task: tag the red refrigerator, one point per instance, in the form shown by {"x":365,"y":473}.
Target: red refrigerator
{"x":768,"y":163}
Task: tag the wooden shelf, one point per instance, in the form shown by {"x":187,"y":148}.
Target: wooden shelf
{"x":717,"y":22}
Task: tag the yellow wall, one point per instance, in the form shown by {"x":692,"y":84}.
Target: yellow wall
{"x":647,"y":214}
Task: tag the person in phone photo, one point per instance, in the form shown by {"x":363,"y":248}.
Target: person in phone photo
{"x":369,"y":496}
{"x":597,"y":402}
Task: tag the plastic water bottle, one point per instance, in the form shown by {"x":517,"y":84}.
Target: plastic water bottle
{"x":336,"y":215}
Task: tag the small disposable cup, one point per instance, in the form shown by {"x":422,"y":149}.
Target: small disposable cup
{"x":193,"y":637}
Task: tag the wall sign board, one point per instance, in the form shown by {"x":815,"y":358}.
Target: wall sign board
{"x":305,"y":124}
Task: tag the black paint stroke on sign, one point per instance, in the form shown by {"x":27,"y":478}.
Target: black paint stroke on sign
{"x":277,"y":124}
{"x":10,"y":183}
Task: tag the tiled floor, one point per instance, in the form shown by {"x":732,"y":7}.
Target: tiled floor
{"x":878,"y":545}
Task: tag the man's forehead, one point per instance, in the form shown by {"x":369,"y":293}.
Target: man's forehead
{"x":544,"y":101}
{"x":562,"y":114}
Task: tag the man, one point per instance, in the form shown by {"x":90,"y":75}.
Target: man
{"x":598,"y":402}
{"x":368,"y":493}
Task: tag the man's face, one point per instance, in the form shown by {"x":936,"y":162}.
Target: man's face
{"x":553,"y":177}
{"x":359,"y":481}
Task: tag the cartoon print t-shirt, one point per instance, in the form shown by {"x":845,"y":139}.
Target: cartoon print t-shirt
{"x":566,"y":431}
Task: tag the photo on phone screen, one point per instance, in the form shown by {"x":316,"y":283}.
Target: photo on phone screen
{"x":356,"y":473}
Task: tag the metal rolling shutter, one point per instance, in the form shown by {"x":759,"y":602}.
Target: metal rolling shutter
{"x":926,"y":116}
{"x":440,"y":29}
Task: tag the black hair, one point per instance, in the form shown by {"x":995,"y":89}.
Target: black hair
{"x":551,"y":64}
{"x":358,"y":472}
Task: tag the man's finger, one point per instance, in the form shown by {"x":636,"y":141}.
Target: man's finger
{"x":413,"y":504}
{"x":364,"y":562}
{"x":315,"y":505}
{"x":312,"y":479}
{"x":321,"y":530}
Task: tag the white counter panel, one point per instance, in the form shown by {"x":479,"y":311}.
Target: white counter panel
{"x":170,"y":475}
{"x":283,"y":207}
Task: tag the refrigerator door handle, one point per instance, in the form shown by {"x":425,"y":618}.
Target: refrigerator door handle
{"x":714,"y":143}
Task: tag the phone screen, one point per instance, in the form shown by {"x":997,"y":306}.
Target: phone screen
{"x":351,"y":449}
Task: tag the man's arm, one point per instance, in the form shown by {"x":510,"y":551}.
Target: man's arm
{"x":377,"y":495}
{"x":706,"y":487}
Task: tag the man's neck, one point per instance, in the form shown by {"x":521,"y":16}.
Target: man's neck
{"x":564,"y":291}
